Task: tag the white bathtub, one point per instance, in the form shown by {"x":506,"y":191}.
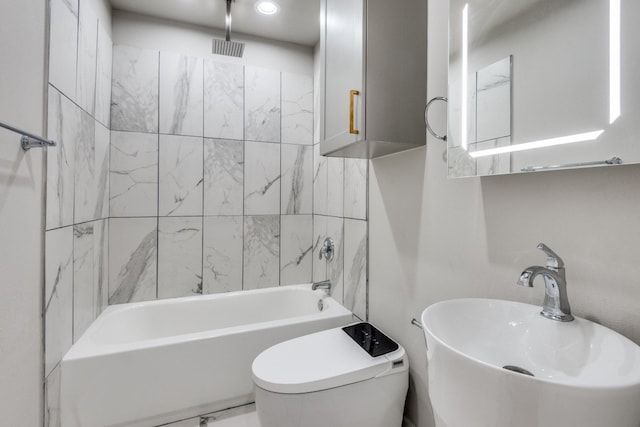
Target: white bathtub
{"x":144,"y":364}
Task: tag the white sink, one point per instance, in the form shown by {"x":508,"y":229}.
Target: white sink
{"x":584,"y":375}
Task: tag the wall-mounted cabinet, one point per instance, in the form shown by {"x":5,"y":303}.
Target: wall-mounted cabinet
{"x":374,"y":56}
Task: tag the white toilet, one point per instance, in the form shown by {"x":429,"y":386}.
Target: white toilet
{"x":329,"y":379}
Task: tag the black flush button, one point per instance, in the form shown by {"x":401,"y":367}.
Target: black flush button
{"x":370,"y":339}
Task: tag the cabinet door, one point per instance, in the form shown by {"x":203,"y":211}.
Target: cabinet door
{"x":344,"y":52}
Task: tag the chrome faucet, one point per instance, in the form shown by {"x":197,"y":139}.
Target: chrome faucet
{"x":556,"y":302}
{"x":325,"y":284}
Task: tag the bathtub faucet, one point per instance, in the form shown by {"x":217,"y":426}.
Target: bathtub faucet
{"x":325,"y":284}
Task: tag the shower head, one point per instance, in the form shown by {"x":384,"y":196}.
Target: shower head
{"x":227,"y":47}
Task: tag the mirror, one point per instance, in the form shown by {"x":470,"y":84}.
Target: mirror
{"x":542,"y":84}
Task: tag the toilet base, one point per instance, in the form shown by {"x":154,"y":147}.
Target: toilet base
{"x":378,"y":402}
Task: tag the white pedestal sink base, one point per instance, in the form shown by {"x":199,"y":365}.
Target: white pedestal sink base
{"x":464,"y":396}
{"x":586,"y":375}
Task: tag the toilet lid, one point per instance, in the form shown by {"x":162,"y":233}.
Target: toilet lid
{"x":317,"y":362}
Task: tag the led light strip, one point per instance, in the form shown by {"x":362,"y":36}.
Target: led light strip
{"x":579,"y":137}
{"x":465,"y":70}
{"x":614,"y":60}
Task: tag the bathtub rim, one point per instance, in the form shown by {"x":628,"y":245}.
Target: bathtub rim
{"x":86,"y":348}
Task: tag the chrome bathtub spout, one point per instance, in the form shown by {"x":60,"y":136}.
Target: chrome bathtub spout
{"x":325,"y":284}
{"x":556,"y":302}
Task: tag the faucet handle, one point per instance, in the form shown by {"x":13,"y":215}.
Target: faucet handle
{"x":327,"y":250}
{"x":553,"y":259}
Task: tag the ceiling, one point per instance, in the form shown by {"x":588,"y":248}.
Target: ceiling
{"x":297,"y":22}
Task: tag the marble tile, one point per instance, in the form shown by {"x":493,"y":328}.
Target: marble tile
{"x":100,"y":266}
{"x":296,"y":243}
{"x":223,"y":100}
{"x":319,"y":234}
{"x":181,"y":175}
{"x":84,"y":171}
{"x":104,"y":53}
{"x":101,"y":171}
{"x":223,"y":251}
{"x":355,"y":188}
{"x":134,"y":90}
{"x":355,"y":267}
{"x":87,"y":58}
{"x":335,"y":267}
{"x":63,"y":124}
{"x":297,"y":109}
{"x":297,"y":179}
{"x":179,"y":257}
{"x":261,"y":251}
{"x":52,"y":399}
{"x":63,"y":45}
{"x":262,"y":105}
{"x":223,"y":177}
{"x":83,"y":285}
{"x":90,"y":274}
{"x":181,"y":94}
{"x":335,"y":186}
{"x":134,"y":174}
{"x":58,"y":295}
{"x":261,"y":178}
{"x":320,"y":177}
{"x":133,"y":245}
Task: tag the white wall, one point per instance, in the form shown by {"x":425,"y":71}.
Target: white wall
{"x":433,"y":239}
{"x":22,"y":82}
{"x":169,"y":36}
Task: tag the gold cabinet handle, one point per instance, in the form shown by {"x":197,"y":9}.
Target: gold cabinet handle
{"x":352,"y":128}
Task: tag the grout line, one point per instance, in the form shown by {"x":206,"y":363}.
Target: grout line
{"x":158,"y":188}
{"x":280,"y":185}
{"x":244,"y":169}
{"x":43,"y":218}
{"x":202,"y":291}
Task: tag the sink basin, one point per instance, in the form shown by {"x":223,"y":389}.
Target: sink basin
{"x":498,"y":363}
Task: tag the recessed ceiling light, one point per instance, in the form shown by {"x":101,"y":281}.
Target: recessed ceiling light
{"x":267,"y":7}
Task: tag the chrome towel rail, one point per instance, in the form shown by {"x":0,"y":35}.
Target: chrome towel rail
{"x":418,"y":324}
{"x":415,"y":322}
{"x":29,"y":140}
{"x":426,"y":117}
{"x":611,"y":161}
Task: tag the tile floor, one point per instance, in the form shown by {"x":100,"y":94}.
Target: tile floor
{"x":242,"y":416}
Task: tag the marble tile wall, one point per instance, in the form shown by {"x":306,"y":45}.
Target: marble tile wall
{"x":177,"y":175}
{"x":77,"y":188}
{"x":179,"y":257}
{"x":218,"y":162}
{"x":181,"y":94}
{"x":340,"y":212}
{"x":133,"y":259}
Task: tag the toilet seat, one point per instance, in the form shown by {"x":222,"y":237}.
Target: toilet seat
{"x":321,"y":361}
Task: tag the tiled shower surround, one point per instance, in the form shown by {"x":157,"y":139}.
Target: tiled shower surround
{"x":183,"y":176}
{"x":212,"y":183}
{"x":77,"y":209}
